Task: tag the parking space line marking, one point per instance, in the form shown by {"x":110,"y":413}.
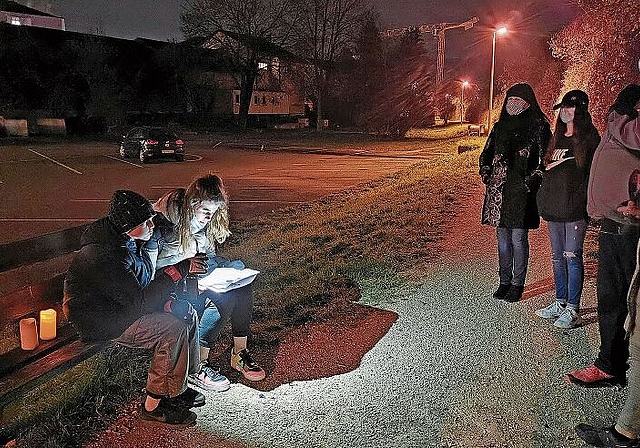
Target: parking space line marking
{"x":123,"y":161}
{"x":54,"y":161}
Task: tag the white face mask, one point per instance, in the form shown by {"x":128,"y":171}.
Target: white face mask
{"x":516,"y":105}
{"x":567,"y":114}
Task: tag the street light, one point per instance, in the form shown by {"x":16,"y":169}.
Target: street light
{"x":500,"y":30}
{"x":462,"y":86}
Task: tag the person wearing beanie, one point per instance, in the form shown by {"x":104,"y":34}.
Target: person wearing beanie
{"x":191,"y":221}
{"x":562,"y":202}
{"x":109,"y":296}
{"x":509,"y":159}
{"x":614,"y":199}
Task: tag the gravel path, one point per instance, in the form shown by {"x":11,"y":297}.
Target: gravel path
{"x":457,"y":369}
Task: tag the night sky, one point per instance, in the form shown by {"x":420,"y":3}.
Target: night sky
{"x":159,"y":19}
{"x":467,"y":51}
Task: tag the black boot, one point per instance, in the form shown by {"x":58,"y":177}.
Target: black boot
{"x":514,"y":294}
{"x":502,"y":291}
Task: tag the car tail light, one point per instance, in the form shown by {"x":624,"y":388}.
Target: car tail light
{"x":179,"y":142}
{"x":152,"y":142}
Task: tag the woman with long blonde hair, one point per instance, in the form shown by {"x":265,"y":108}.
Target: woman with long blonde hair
{"x":192,"y":221}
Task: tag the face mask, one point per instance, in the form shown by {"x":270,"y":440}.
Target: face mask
{"x":516,"y":105}
{"x":567,"y":114}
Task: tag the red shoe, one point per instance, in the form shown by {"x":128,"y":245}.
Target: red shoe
{"x":592,"y":376}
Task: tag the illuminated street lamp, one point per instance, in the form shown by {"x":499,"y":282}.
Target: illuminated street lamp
{"x":500,"y":30}
{"x":462,"y":86}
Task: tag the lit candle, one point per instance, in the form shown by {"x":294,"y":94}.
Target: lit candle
{"x":47,"y":324}
{"x":28,"y":333}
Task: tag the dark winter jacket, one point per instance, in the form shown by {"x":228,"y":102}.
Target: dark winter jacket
{"x":511,"y":154}
{"x":104,"y":289}
{"x":563,"y":193}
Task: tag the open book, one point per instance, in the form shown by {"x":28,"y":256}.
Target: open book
{"x":226,"y":279}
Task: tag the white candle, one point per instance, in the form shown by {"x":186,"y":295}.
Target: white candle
{"x":28,"y":333}
{"x":47,"y":324}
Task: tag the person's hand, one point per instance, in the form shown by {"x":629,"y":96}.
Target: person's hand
{"x":485,"y":174}
{"x":629,"y":210}
{"x":179,"y":308}
{"x":533,"y":181}
{"x":194,"y":265}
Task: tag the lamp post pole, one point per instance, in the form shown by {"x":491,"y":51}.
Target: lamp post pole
{"x":500,"y":30}
{"x":462,"y":86}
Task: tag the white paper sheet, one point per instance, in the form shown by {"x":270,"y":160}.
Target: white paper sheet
{"x":226,"y":279}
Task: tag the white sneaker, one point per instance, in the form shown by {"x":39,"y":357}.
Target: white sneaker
{"x":209,"y":378}
{"x":553,"y":311}
{"x":569,"y":319}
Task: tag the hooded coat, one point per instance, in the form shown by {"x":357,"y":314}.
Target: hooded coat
{"x":104,"y":289}
{"x":511,"y":154}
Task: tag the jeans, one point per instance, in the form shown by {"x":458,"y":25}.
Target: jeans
{"x":617,"y":261}
{"x":567,"y":239}
{"x":513,"y":255}
{"x":219,"y":308}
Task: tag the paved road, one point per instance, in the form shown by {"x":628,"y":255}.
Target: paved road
{"x":47,"y":187}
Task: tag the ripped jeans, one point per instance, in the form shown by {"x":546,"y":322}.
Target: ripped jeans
{"x":567,"y":239}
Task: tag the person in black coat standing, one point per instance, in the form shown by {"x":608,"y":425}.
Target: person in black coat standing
{"x":511,"y":155}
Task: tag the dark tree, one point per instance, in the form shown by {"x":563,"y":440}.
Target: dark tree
{"x":243,"y":29}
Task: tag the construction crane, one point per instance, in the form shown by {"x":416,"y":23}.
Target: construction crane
{"x":437,"y":30}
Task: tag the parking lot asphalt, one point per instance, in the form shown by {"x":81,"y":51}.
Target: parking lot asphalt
{"x":51,"y":185}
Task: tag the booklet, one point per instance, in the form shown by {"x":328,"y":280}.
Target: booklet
{"x":226,"y":279}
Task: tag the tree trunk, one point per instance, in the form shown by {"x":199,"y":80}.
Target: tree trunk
{"x":319,"y":120}
{"x":246,"y":92}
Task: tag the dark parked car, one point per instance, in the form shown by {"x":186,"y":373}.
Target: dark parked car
{"x":148,"y":142}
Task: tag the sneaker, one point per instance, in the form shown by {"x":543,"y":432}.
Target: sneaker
{"x":553,"y":311}
{"x":569,"y":319}
{"x":244,"y":363}
{"x":594,"y":377}
{"x":514,"y":294}
{"x":167,"y":414}
{"x":605,"y":437}
{"x":209,"y":378}
{"x":502,"y":291}
{"x":190,"y":398}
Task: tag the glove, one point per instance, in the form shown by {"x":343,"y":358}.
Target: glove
{"x":533,"y":182}
{"x":485,"y":173}
{"x":179,"y":308}
{"x":195,"y":265}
